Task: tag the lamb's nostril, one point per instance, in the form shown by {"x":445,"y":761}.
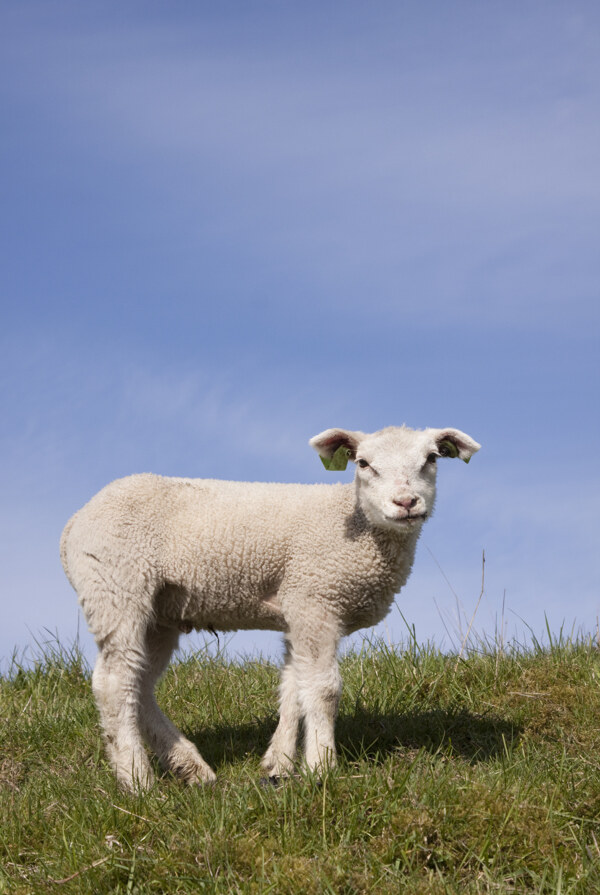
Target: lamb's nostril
{"x":407,"y":502}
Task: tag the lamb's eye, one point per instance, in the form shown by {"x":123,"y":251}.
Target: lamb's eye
{"x":432,"y":458}
{"x":362,"y":463}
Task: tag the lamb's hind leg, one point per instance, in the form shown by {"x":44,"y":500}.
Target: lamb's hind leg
{"x":279,"y":757}
{"x":116,"y":686}
{"x":172,"y":749}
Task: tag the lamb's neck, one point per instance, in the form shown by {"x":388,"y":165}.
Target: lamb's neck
{"x":395,"y":547}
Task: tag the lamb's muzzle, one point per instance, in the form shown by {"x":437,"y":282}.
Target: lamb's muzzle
{"x":407,"y":502}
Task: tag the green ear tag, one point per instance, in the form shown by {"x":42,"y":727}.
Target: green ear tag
{"x":448,"y":449}
{"x":339,"y":460}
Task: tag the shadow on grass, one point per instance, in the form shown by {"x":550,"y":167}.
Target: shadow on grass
{"x":461,"y":733}
{"x":374,"y":735}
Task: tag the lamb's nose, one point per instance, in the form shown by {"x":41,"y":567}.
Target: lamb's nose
{"x":407,"y":502}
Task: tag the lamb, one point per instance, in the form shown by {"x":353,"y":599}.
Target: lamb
{"x":151,"y":557}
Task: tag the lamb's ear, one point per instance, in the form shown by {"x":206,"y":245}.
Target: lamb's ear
{"x":454,"y":443}
{"x":336,"y":446}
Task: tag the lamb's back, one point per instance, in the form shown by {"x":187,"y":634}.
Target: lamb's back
{"x":182,"y":524}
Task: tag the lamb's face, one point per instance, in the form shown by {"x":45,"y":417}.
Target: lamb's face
{"x":396,"y":469}
{"x":395,"y":478}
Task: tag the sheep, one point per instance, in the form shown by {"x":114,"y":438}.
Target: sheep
{"x":151,"y":557}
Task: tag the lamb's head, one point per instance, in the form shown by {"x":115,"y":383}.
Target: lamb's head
{"x":395,"y":469}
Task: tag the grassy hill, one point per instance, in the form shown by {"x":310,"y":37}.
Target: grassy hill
{"x":478,"y":774}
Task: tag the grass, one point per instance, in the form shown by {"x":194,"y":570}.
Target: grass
{"x":457,"y":775}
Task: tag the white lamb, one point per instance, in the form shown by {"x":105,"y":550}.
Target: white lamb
{"x":151,"y":557}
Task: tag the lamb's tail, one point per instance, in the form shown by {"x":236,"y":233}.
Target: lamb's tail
{"x":63,"y":546}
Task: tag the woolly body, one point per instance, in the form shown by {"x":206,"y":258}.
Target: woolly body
{"x":151,"y":557}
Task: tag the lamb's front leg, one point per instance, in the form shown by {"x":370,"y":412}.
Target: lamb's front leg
{"x":279,"y":757}
{"x":319,"y":687}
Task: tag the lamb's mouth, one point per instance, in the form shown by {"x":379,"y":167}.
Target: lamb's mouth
{"x":411,"y":520}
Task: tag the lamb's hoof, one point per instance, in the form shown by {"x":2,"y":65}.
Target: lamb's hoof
{"x":202,"y":782}
{"x":193,"y":774}
{"x":273,"y":780}
{"x":205,"y":777}
{"x":278,"y":779}
{"x":277,"y":766}
{"x":140,"y":781}
{"x":187,"y":765}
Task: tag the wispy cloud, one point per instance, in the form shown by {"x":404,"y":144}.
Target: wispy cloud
{"x":309,"y":151}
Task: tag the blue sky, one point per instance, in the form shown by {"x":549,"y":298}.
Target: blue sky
{"x":226,"y":227}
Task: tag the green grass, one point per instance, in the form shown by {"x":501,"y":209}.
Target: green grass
{"x":478,"y":774}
